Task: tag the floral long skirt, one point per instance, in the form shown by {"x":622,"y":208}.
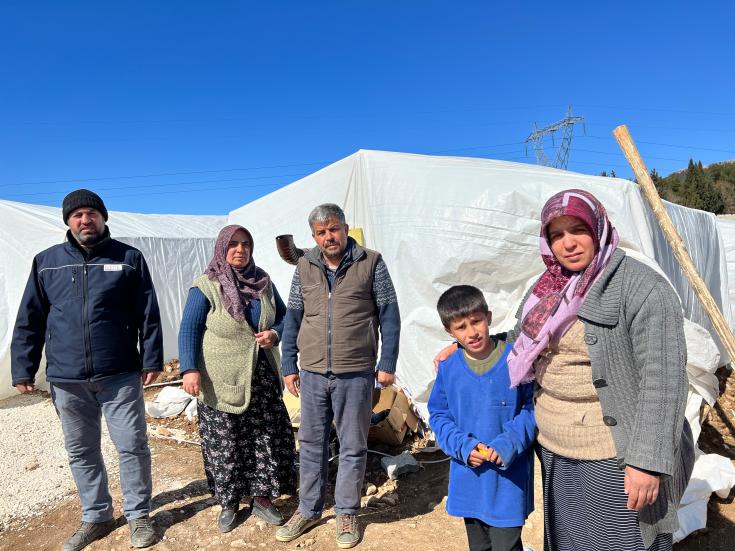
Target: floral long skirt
{"x":252,"y":453}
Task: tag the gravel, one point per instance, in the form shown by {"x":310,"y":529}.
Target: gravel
{"x":33,"y":467}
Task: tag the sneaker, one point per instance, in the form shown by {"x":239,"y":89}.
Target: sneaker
{"x":268,"y":512}
{"x":296,"y":525}
{"x":87,"y":533}
{"x":348,"y":531}
{"x":142,"y":532}
{"x":227,"y":519}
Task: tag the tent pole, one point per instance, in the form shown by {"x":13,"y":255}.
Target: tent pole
{"x":674,"y":239}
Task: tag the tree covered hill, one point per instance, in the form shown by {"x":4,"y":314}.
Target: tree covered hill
{"x":710,"y":188}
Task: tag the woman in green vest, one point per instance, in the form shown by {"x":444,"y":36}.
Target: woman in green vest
{"x":229,"y":359}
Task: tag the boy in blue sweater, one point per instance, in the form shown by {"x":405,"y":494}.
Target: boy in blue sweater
{"x":485,"y":426}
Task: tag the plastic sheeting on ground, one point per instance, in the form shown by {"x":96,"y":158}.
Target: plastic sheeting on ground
{"x":177,"y":248}
{"x":170,"y":402}
{"x":712,"y":473}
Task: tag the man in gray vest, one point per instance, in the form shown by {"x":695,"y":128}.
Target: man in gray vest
{"x":341,"y":295}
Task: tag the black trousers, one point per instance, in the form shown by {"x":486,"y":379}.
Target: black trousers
{"x":483,"y":537}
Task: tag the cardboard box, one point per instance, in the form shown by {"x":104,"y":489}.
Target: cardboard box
{"x":398,"y":416}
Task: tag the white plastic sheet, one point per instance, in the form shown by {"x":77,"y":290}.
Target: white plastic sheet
{"x":702,"y":236}
{"x":177,"y":248}
{"x":726,"y":224}
{"x":170,"y":402}
{"x":712,"y":473}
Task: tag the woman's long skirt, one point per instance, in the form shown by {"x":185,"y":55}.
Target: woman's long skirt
{"x":585,"y":507}
{"x":252,"y":453}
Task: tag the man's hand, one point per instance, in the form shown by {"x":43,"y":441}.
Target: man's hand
{"x":640,"y":487}
{"x":192,"y":383}
{"x":443,"y":354}
{"x":149,"y":376}
{"x":266,"y":339}
{"x":385,"y":379}
{"x":293,"y":383}
{"x":25,"y":388}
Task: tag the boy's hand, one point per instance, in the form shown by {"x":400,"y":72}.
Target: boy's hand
{"x":492,"y":456}
{"x":443,"y":354}
{"x":482,"y":453}
{"x":476,"y":457}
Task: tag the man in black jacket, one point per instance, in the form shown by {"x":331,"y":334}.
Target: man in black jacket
{"x":91,"y":302}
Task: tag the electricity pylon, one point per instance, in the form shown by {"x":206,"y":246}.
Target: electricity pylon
{"x":566,"y":125}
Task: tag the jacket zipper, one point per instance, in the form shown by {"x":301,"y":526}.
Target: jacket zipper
{"x":329,"y":329}
{"x":85,"y":323}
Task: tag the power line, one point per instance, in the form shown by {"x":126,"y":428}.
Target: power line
{"x":678,"y":146}
{"x":161,"y":174}
{"x":147,"y":186}
{"x":660,"y":109}
{"x":309,"y":163}
{"x":49,"y":201}
{"x":214,"y":171}
{"x":652,"y":126}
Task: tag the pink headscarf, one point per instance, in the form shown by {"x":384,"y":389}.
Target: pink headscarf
{"x":551,"y":309}
{"x":238,"y":285}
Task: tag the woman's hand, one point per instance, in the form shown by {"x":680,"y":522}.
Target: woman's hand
{"x":266,"y":339}
{"x":640,"y":487}
{"x":482,"y":453}
{"x":192,"y":383}
{"x":443,"y":354}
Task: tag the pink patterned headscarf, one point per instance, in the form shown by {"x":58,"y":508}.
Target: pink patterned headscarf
{"x":551,"y":308}
{"x":238,"y":285}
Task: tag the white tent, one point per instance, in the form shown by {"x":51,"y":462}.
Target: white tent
{"x":727,"y":229}
{"x":440,"y":221}
{"x":177,"y":248}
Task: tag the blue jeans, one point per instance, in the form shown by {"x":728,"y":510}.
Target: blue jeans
{"x":346,"y":399}
{"x":80,"y":407}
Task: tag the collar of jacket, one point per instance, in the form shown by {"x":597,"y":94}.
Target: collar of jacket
{"x":353,"y":253}
{"x":602,"y":304}
{"x":73,"y":245}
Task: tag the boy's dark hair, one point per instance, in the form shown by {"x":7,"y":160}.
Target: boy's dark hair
{"x":459,"y":301}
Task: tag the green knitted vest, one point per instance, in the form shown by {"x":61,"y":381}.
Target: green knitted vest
{"x":229,"y":351}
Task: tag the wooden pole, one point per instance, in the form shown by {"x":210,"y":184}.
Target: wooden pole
{"x":674,"y":239}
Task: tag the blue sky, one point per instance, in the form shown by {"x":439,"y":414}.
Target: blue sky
{"x":200,"y":107}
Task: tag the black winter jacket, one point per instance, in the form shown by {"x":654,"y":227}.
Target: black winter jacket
{"x":92,"y":309}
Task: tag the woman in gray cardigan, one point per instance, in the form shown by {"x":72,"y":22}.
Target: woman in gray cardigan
{"x":602,"y":335}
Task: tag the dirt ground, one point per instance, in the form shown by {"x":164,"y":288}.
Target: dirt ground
{"x":410,"y":518}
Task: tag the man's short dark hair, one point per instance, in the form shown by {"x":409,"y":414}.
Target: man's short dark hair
{"x":460,"y":301}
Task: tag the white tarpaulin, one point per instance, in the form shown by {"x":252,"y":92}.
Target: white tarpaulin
{"x":441,"y":221}
{"x":177,"y":248}
{"x":726,"y":224}
{"x":703,"y":238}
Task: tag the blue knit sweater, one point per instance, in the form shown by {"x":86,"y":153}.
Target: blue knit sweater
{"x":194,"y":320}
{"x":465,"y":409}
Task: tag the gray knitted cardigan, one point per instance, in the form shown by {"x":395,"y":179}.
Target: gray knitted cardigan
{"x":635,"y":335}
